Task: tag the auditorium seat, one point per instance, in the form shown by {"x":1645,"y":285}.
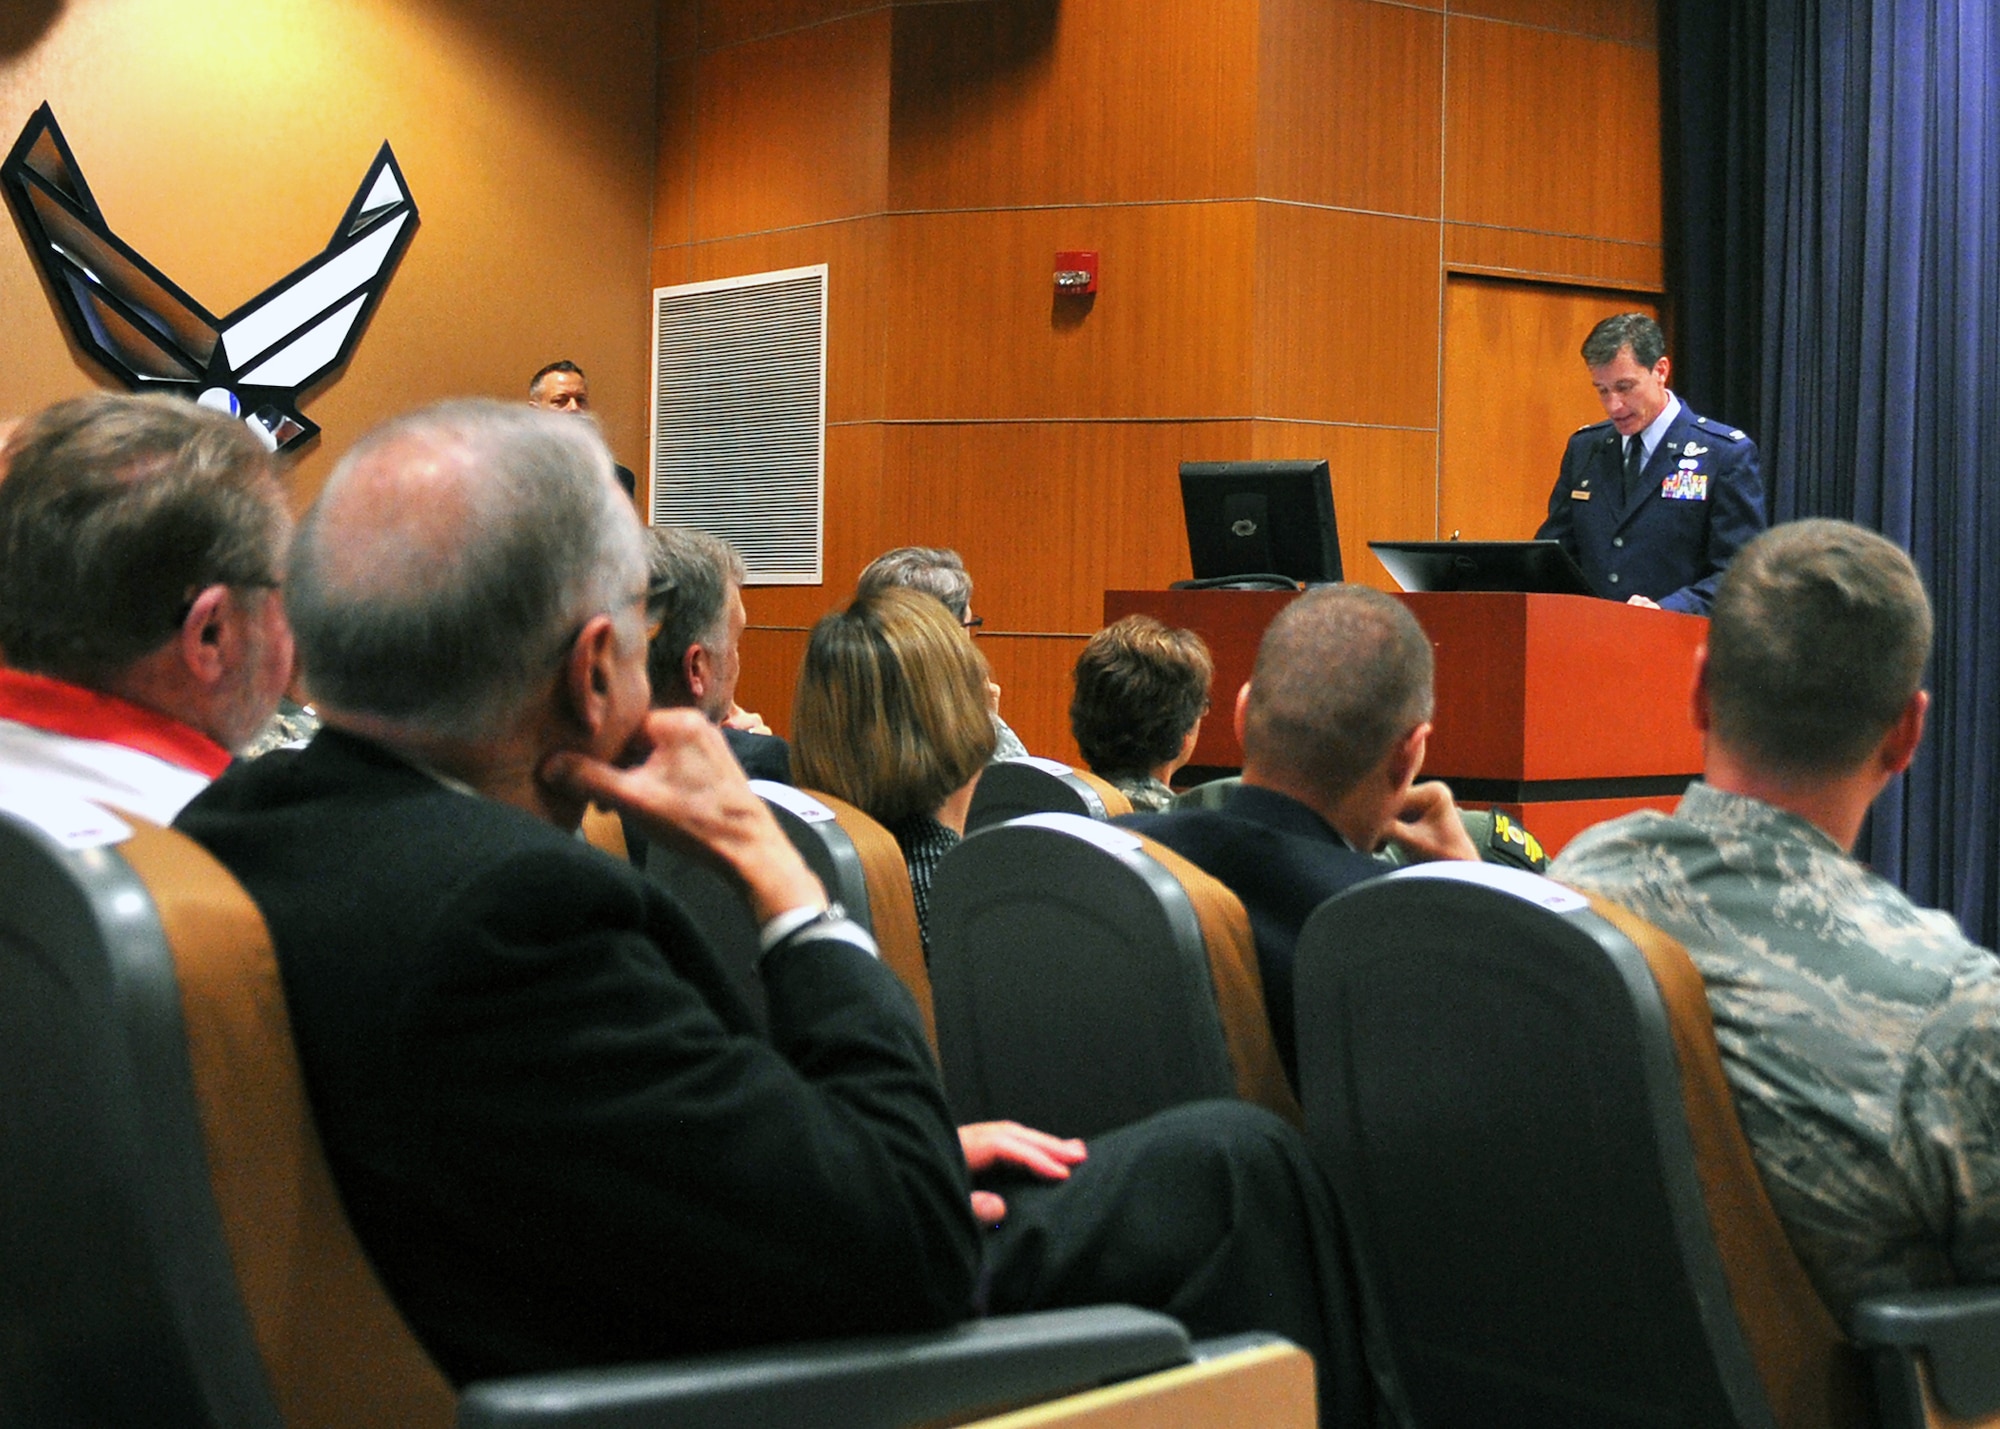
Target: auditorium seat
{"x":1554,"y":1214}
{"x":1085,"y":978}
{"x":176,"y":1253}
{"x":1015,"y":787}
{"x":892,"y":909}
{"x":602,"y":830}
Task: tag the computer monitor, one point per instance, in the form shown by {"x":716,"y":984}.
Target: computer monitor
{"x":1260,"y":517}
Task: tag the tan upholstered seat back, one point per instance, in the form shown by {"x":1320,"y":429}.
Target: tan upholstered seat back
{"x":1239,"y":985}
{"x":337,"y":1351}
{"x":1811,"y":1375}
{"x":892,"y":908}
{"x":601,"y":830}
{"x":1114,"y":798}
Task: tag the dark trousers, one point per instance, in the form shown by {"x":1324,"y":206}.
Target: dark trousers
{"x":1213,"y":1213}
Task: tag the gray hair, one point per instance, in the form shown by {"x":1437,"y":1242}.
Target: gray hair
{"x":689,"y":575}
{"x":1816,"y":643}
{"x":933,"y":570}
{"x":1637,"y":331}
{"x":115,"y":512}
{"x":446,"y":620}
{"x":1343,"y":673}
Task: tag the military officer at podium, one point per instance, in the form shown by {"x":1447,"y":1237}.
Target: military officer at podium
{"x":1653,"y":501}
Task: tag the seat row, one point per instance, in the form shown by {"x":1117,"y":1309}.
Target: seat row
{"x":173,"y":1249}
{"x":1515,"y":1089}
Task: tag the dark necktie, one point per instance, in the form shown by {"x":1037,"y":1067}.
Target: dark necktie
{"x":1635,"y":459}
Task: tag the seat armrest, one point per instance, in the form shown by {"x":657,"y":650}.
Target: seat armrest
{"x":1955,"y":1331}
{"x":891,"y":1382}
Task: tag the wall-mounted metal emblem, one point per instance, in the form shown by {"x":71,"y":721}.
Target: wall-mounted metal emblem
{"x":153,"y":337}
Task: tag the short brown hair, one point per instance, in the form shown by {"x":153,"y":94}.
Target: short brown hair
{"x":1638,"y":331}
{"x":1816,"y":643}
{"x":1342,"y":674}
{"x":689,"y":575}
{"x":1140,"y":686}
{"x":114,"y":512}
{"x":891,"y":707}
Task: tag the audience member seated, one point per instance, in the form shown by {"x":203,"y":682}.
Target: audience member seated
{"x":891,"y":716}
{"x":941,"y":573}
{"x":561,"y":387}
{"x":142,"y":544}
{"x":694,"y":594}
{"x":554,"y":1131}
{"x":1141,"y":692}
{"x":1333,"y":722}
{"x":1860,"y":1033}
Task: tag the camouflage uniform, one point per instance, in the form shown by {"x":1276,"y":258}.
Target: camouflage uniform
{"x":291,"y":726}
{"x":1009,"y":746}
{"x":1860,"y":1035}
{"x":1148,"y":795}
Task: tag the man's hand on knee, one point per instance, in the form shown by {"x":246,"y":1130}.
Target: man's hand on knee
{"x":991,"y":1144}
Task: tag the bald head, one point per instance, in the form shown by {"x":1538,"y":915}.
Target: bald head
{"x":450,"y":559}
{"x":1342,"y":676}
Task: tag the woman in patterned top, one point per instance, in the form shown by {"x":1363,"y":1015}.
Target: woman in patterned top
{"x":891,"y":716}
{"x":1141,"y":690}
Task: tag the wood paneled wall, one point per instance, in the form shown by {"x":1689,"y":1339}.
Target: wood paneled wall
{"x":224,"y":138}
{"x":1278,"y":192}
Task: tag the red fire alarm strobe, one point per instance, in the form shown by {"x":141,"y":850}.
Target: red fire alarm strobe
{"x":1076,"y":273}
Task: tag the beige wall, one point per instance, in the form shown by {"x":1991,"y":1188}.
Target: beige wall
{"x":1279,"y":192}
{"x":223,"y":138}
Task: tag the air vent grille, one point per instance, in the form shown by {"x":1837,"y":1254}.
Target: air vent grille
{"x":739,"y":417}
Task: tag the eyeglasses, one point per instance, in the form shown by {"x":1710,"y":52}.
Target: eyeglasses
{"x":973,"y":622}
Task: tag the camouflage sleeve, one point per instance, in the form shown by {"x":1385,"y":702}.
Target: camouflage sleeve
{"x":1948,"y":1137}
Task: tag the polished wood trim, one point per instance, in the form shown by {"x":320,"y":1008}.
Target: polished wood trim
{"x":1350,"y":105}
{"x":724,"y":23}
{"x":1271,"y":1386}
{"x":856,"y":273}
{"x":1038,"y":102}
{"x":1346,"y":317}
{"x":1558,"y":257}
{"x":1168,"y":334}
{"x":1634,"y":22}
{"x":1551,"y":132}
{"x":1515,"y":389}
{"x":793,"y":129}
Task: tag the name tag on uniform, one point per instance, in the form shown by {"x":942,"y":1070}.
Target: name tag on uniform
{"x":1685,"y":486}
{"x":1579,"y":496}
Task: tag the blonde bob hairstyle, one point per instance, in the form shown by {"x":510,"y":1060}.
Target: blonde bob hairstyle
{"x":891,"y":707}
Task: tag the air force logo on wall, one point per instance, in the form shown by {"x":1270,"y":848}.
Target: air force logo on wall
{"x":135,"y":320}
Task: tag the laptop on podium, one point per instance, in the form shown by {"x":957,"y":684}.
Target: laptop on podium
{"x":1541,"y":567}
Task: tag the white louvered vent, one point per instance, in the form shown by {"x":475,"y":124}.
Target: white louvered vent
{"x":739,"y":416}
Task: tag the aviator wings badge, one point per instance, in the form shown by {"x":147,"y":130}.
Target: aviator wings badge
{"x":136,"y":321}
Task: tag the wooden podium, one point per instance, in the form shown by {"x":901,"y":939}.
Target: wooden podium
{"x":1558,"y":709}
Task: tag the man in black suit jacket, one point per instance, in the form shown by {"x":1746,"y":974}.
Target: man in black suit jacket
{"x":557,"y":1133}
{"x":1333,"y":723}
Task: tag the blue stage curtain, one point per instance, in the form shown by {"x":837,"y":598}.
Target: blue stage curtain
{"x":1880,"y":390}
